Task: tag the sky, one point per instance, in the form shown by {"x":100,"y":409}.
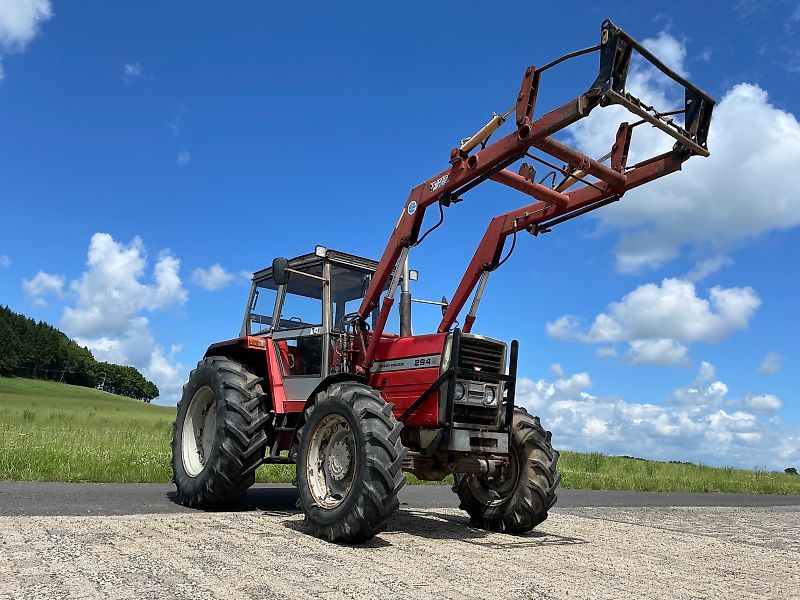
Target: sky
{"x":152,"y":155}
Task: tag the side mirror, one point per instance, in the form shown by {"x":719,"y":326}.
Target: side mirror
{"x":279,"y":271}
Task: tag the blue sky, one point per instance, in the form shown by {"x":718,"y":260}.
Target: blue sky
{"x":144,"y":143}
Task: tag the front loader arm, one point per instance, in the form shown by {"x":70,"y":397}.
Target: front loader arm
{"x":469,"y":170}
{"x":540,"y":217}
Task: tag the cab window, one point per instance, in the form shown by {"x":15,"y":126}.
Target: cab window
{"x":302,"y":304}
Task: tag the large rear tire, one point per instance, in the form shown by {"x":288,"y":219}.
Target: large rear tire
{"x":219,"y":435}
{"x":349,"y":463}
{"x":517,"y":500}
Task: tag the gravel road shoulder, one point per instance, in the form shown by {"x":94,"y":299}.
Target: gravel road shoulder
{"x":617,"y":553}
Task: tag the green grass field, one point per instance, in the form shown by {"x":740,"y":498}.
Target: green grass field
{"x":56,"y":432}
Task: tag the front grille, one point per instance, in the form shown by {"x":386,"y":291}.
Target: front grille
{"x":474,"y":415}
{"x":480,"y":354}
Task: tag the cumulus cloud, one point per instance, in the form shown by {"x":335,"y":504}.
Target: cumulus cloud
{"x":5,"y":261}
{"x":42,"y":285}
{"x":563,"y":328}
{"x":772,"y":363}
{"x":705,"y":391}
{"x":20,"y":21}
{"x":657,"y":320}
{"x":213,"y":278}
{"x":697,"y":423}
{"x":110,"y":292}
{"x":660,"y":351}
{"x":763,"y":402}
{"x":131,"y":71}
{"x":184,"y":158}
{"x":110,"y":299}
{"x":755,"y":148}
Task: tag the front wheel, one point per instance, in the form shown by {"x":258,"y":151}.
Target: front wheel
{"x":219,"y":435}
{"x":517,"y":499}
{"x":349,"y":463}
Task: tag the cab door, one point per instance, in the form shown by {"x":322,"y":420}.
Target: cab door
{"x":301,"y":333}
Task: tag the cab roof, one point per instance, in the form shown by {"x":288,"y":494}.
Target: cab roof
{"x":308,"y":262}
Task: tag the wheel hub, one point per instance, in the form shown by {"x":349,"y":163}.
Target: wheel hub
{"x":339,"y":460}
{"x":330,"y":461}
{"x":499,"y":488}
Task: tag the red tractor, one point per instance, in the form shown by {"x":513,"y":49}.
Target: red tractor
{"x":313,"y":379}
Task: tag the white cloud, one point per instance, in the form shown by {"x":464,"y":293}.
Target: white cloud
{"x":671,"y":51}
{"x":184,"y":158}
{"x":606,"y":352}
{"x":110,"y":293}
{"x":19,"y":23}
{"x":5,"y":261}
{"x":213,"y":278}
{"x":695,"y":426}
{"x":564,"y":328}
{"x":707,"y":266}
{"x":138,"y":347}
{"x":705,"y":391}
{"x":43,"y":285}
{"x":111,"y":296}
{"x":709,"y":206}
{"x":772,"y":363}
{"x":763,"y":402}
{"x":660,"y":351}
{"x":131,"y":71}
{"x":653,"y":319}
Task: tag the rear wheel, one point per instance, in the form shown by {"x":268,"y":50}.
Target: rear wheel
{"x":219,"y":435}
{"x":349,"y":461}
{"x":517,"y":499}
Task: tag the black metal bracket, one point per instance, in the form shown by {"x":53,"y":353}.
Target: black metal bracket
{"x":616,"y":49}
{"x":511,"y":388}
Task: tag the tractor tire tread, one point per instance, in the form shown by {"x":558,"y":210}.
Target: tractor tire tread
{"x":381,"y":478}
{"x":535,"y":493}
{"x":240,"y":447}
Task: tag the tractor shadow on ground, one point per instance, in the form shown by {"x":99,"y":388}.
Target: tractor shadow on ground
{"x":431,"y":524}
{"x":436,"y":525}
{"x":270,"y":500}
{"x":440,"y":525}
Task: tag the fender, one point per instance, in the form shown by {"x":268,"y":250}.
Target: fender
{"x":249,"y":351}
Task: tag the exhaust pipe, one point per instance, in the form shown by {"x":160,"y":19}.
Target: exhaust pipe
{"x":405,"y":303}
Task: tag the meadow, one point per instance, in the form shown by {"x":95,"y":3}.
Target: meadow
{"x":58,"y":432}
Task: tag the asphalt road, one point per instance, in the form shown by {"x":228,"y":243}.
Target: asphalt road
{"x":80,"y":499}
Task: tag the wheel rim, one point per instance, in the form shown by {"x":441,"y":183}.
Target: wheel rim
{"x":199,"y":431}
{"x":493,"y":491}
{"x":331,"y":461}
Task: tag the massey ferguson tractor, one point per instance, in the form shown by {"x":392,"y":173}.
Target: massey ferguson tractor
{"x":314,"y":379}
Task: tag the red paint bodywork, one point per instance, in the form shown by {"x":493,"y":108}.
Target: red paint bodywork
{"x":400,"y":388}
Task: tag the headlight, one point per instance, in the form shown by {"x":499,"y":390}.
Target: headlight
{"x":459,"y":391}
{"x":489,"y":395}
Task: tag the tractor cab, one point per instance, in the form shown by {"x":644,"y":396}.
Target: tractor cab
{"x":303,"y":305}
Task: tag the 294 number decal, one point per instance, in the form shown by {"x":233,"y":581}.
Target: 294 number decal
{"x":422,"y":362}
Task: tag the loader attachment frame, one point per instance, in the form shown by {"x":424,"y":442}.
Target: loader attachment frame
{"x":598,"y":183}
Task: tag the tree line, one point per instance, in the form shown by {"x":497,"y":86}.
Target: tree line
{"x":40,"y":351}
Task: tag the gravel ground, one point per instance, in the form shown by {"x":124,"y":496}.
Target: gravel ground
{"x":593,"y":553}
